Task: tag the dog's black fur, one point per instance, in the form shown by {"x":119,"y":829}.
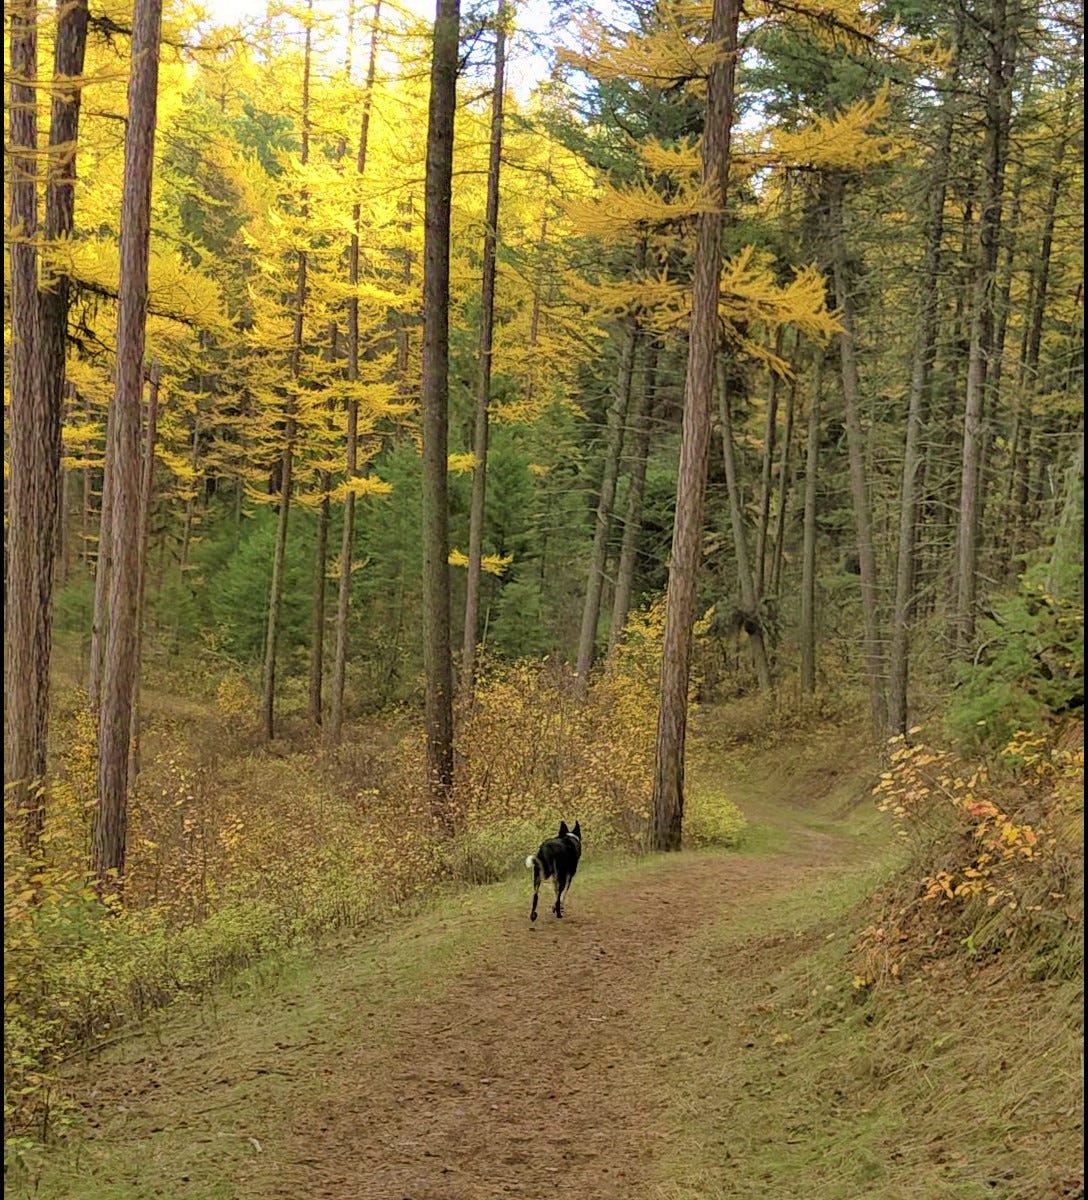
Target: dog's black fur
{"x":557,"y":859}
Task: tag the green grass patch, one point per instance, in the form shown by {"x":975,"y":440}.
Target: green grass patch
{"x":797,"y":1082}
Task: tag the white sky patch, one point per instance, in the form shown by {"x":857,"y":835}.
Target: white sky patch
{"x":529,"y":57}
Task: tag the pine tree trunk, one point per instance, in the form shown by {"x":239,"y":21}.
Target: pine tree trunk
{"x":33,"y":455}
{"x":347,"y":537}
{"x":437,"y":667}
{"x":859,"y":492}
{"x":275,"y":598}
{"x":808,"y":543}
{"x":108,"y":837}
{"x":483,"y":392}
{"x":320,"y":587}
{"x":667,"y":812}
{"x":642,"y":423}
{"x":100,"y":612}
{"x":784,"y":472}
{"x":917,"y":403}
{"x":766,"y":475}
{"x":1027,"y":375}
{"x":617,"y":420}
{"x":68,"y":55}
{"x":995,"y":142}
{"x":745,"y":582}
{"x":321,"y":572}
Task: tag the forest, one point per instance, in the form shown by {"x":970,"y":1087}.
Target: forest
{"x":425,"y":424}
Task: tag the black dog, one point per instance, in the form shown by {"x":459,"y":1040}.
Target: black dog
{"x":556,"y":859}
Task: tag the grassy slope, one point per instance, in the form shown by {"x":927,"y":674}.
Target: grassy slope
{"x":779,"y":1078}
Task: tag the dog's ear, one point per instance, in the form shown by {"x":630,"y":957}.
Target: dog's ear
{"x":563,"y":830}
{"x":578,"y":830}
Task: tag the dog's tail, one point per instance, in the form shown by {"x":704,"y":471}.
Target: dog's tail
{"x":534,"y":862}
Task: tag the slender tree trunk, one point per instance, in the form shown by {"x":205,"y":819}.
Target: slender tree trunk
{"x":667,"y":811}
{"x":745,"y":582}
{"x":995,"y":141}
{"x":347,"y":538}
{"x":538,"y":288}
{"x":108,"y":837}
{"x":33,"y":455}
{"x":641,"y":420}
{"x":617,"y":419}
{"x":784,"y":472}
{"x":100,"y":614}
{"x":483,"y":392}
{"x":147,"y":498}
{"x":913,"y":458}
{"x":859,"y":492}
{"x":321,"y":571}
{"x":766,"y":475}
{"x":275,"y":599}
{"x":88,"y":500}
{"x":320,"y":587}
{"x":808,"y":544}
{"x":438,"y":669}
{"x":1027,"y":376}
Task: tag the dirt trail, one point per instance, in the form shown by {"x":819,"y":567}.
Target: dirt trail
{"x":533,"y":1069}
{"x":519,"y":1062}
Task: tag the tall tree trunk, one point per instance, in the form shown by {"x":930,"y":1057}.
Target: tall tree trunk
{"x":913,"y":458}
{"x":347,"y":537}
{"x":108,"y":835}
{"x":438,"y":669}
{"x":68,"y":55}
{"x":667,"y":811}
{"x":617,"y":419}
{"x":147,"y":498}
{"x":483,"y":390}
{"x":321,"y":570}
{"x":642,"y":423}
{"x":100,"y":612}
{"x":995,"y":143}
{"x":1027,"y":375}
{"x":784,"y":473}
{"x":745,"y":582}
{"x":808,"y":543}
{"x":33,"y":455}
{"x":766,"y":475}
{"x":275,"y":598}
{"x":859,"y":492}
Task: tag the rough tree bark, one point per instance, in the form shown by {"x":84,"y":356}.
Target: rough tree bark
{"x":437,"y":667}
{"x":667,"y":811}
{"x":33,"y":455}
{"x":108,"y":835}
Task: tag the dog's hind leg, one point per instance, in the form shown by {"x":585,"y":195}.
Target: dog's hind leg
{"x":534,"y":862}
{"x":561,"y":882}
